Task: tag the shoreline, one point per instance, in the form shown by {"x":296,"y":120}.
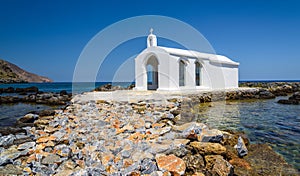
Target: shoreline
{"x":144,"y":123}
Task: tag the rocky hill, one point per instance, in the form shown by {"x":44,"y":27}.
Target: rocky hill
{"x":10,"y":73}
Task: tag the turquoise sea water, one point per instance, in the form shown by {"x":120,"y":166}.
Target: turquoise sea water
{"x":264,"y":121}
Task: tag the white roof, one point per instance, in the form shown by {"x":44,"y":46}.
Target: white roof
{"x":195,"y":54}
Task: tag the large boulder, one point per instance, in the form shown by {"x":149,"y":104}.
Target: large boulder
{"x":171,"y":163}
{"x":208,"y":148}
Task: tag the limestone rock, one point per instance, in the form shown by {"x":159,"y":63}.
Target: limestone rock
{"x":185,"y":129}
{"x":241,"y":147}
{"x":7,"y":141}
{"x":26,"y":145}
{"x":212,"y":135}
{"x":218,"y":165}
{"x":194,"y":162}
{"x":208,"y":148}
{"x":170,"y":163}
{"x":148,"y":166}
{"x":51,"y":159}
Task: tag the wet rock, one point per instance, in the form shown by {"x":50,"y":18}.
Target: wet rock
{"x":231,"y":138}
{"x":294,"y":99}
{"x":46,"y":113}
{"x":170,"y":163}
{"x":292,"y":102}
{"x":208,"y":148}
{"x":6,"y":141}
{"x":241,"y":147}
{"x":27,"y":89}
{"x":264,"y":161}
{"x":28,"y":118}
{"x":11,"y":130}
{"x":265,"y":94}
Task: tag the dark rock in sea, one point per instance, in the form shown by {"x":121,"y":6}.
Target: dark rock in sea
{"x":63,"y":92}
{"x":48,"y":112}
{"x":11,"y":130}
{"x":9,"y":99}
{"x":241,"y":147}
{"x":265,"y":94}
{"x":293,"y":102}
{"x":27,"y":89}
{"x":294,"y":99}
{"x":28,"y":118}
{"x":8,"y":90}
{"x":109,"y":87}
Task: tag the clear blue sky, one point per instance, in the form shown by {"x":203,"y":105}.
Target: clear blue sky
{"x":46,"y":37}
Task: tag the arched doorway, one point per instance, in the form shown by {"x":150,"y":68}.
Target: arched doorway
{"x":181,"y":73}
{"x":198,"y":68}
{"x":152,"y":73}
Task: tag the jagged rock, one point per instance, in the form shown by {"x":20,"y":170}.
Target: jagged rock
{"x":208,"y":148}
{"x":7,"y":156}
{"x":28,"y":118}
{"x":47,"y":112}
{"x":11,"y":130}
{"x":212,"y":135}
{"x":148,"y":166}
{"x":51,"y":159}
{"x":294,"y":99}
{"x":241,"y":147}
{"x":26,"y":145}
{"x":218,"y":165}
{"x":63,"y":150}
{"x":170,"y":163}
{"x":7,"y":141}
{"x":185,"y":129}
{"x":194,"y":163}
{"x":11,"y":169}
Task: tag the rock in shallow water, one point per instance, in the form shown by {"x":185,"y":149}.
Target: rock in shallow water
{"x":241,"y":147}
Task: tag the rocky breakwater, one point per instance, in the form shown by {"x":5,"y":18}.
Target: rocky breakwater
{"x":33,"y":95}
{"x":276,"y":88}
{"x":132,"y":138}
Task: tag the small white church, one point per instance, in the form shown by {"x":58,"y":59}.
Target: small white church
{"x":162,"y":68}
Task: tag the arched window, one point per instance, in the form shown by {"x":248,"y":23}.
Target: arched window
{"x":198,"y":73}
{"x":181,"y":73}
{"x":152,"y":73}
